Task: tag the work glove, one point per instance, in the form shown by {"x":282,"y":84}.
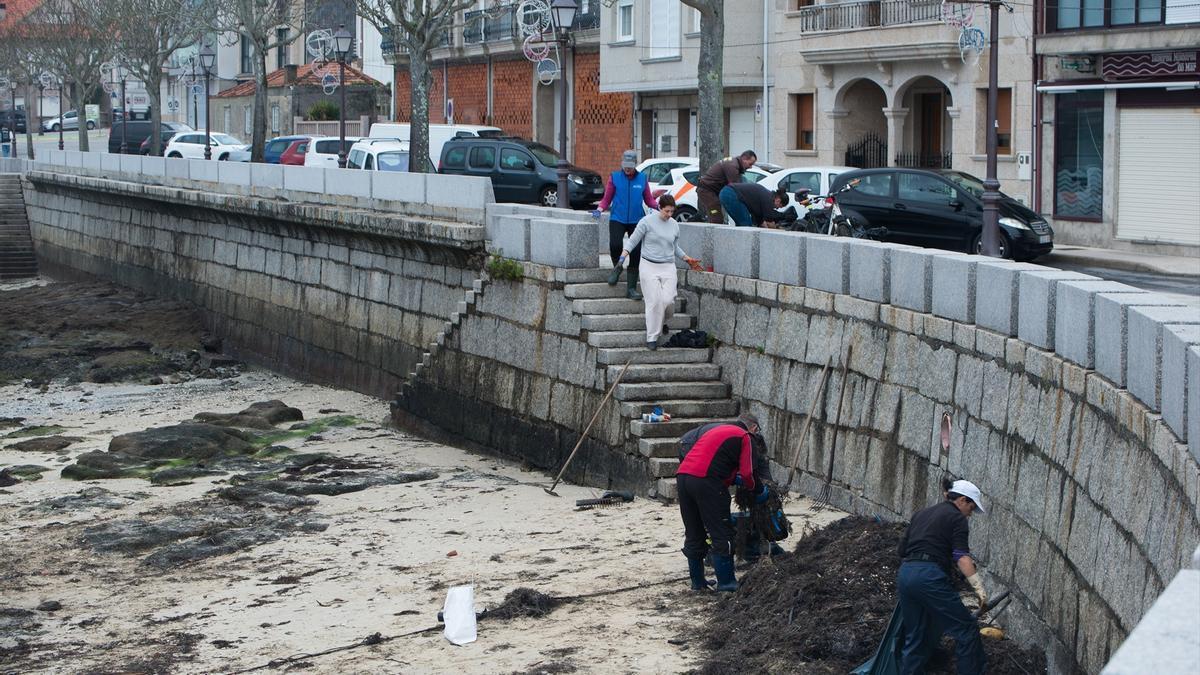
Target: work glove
{"x":596,"y":213}
{"x":762,"y":496}
{"x":977,"y":586}
{"x":737,"y":480}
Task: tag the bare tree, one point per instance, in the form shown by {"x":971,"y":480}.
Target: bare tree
{"x":21,"y":62}
{"x":710,"y":80}
{"x":151,"y":32}
{"x":258,"y":22}
{"x":75,"y":39}
{"x":418,"y":26}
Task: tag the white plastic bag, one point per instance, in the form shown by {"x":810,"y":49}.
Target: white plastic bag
{"x":459,"y":615}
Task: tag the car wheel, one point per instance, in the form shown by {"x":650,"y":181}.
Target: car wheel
{"x":176,"y":155}
{"x":1005,"y":245}
{"x":548,"y":196}
{"x":685,"y":214}
{"x":91,"y":125}
{"x":222,"y":158}
{"x":56,"y":127}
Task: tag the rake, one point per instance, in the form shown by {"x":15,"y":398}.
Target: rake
{"x":808,"y":422}
{"x":822,"y":500}
{"x":611,"y":389}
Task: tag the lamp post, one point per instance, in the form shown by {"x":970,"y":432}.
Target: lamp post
{"x":562,"y":13}
{"x":12,"y":86}
{"x":41,"y":92}
{"x":62,"y":94}
{"x":208,"y":58}
{"x":342,"y":40}
{"x":195,"y":98}
{"x":991,"y":186}
{"x":124,"y":117}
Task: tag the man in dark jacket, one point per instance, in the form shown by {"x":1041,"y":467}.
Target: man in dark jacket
{"x":753,"y":204}
{"x":724,"y":172}
{"x":626,"y":192}
{"x":937,"y":538}
{"x":722,"y":455}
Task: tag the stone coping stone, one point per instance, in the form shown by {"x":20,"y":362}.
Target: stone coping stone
{"x":827,"y":264}
{"x":781,"y":256}
{"x":1075,"y":318}
{"x":1037,"y":292}
{"x":735,"y":250}
{"x":954,"y":286}
{"x":1164,"y":641}
{"x":561,"y":243}
{"x":996,"y":293}
{"x":912,"y":278}
{"x":1146,"y":326}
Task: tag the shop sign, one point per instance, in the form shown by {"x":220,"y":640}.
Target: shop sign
{"x":1149,"y":64}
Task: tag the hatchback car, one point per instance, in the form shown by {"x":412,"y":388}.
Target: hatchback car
{"x":939,"y":209}
{"x":223,"y":147}
{"x":521,"y":171}
{"x":275,"y":147}
{"x":294,"y":155}
{"x":69,"y":121}
{"x":162,"y":149}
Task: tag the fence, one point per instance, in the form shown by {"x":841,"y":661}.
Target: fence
{"x":870,"y":152}
{"x":924,"y":160}
{"x":867,"y":14}
{"x":358,"y":127}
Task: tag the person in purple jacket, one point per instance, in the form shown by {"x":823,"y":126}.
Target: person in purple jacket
{"x":626,"y":192}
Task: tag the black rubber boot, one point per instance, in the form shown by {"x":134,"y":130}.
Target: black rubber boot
{"x":631,"y":285}
{"x":723,"y":566}
{"x":696,"y":572}
{"x":615,"y":275}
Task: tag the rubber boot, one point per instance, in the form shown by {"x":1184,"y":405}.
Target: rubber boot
{"x":631,"y":285}
{"x":696,"y":572}
{"x":723,"y":566}
{"x":615,"y":275}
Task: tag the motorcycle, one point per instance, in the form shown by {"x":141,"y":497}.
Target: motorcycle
{"x":829,"y":219}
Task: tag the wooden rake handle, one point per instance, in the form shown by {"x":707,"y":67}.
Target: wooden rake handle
{"x":808,"y":421}
{"x":588,"y":428}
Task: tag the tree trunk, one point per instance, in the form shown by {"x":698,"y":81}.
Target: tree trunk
{"x":259,"y":139}
{"x":30,"y":121}
{"x":153,"y":88}
{"x":418,"y":133}
{"x":709,"y":74}
{"x":81,"y":115}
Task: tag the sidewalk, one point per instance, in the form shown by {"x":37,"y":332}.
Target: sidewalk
{"x":1173,"y":265}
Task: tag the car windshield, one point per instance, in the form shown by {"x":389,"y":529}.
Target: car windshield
{"x":545,"y":155}
{"x":225,"y":139}
{"x":392,"y":161}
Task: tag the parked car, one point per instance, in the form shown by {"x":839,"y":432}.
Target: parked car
{"x":939,"y":209}
{"x":381,"y":154}
{"x":438,"y":133}
{"x":658,"y":168}
{"x":69,"y":121}
{"x":294,"y":155}
{"x":323,"y":151}
{"x":815,"y":179}
{"x":133,"y":132}
{"x":7,"y":120}
{"x":223,"y":147}
{"x":163,"y":141}
{"x":521,"y":170}
{"x":681,"y":184}
{"x":275,"y":147}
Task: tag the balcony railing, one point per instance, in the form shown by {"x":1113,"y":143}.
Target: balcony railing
{"x":500,"y":24}
{"x":473,"y":26}
{"x":389,"y":46}
{"x":867,"y":14}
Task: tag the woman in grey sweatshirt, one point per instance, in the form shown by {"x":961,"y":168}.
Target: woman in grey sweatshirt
{"x":658,"y":233}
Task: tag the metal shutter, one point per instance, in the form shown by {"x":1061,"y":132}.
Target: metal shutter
{"x":1158,"y":186}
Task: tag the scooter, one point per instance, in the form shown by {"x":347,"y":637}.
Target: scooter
{"x":830,"y":220}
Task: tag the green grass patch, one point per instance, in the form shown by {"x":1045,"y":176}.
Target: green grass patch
{"x":29,"y":432}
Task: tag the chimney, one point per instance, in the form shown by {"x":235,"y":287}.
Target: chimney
{"x":289,"y":73}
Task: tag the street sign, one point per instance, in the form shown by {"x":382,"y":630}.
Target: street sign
{"x":173,"y":105}
{"x":197,"y":89}
{"x":449,"y":111}
{"x":46,"y":80}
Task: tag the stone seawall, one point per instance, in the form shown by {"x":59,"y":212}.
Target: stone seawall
{"x":330,"y":294}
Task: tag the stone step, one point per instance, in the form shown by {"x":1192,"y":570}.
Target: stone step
{"x":618,"y":338}
{"x":699,"y":408}
{"x":666,"y":372}
{"x":593,"y":291}
{"x":659,"y":447}
{"x":661,"y":391}
{"x":591,"y":275}
{"x":677,"y":427}
{"x":663,"y":467}
{"x":666,"y":488}
{"x":639,"y":354}
{"x":616,"y":306}
{"x":604,"y":322}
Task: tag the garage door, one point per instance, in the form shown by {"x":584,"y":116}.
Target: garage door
{"x":1158,"y":186}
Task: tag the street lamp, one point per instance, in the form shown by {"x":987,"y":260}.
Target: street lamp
{"x":62,"y":94}
{"x":341,"y":45}
{"x":208,"y":58}
{"x":192,"y":91}
{"x":124,"y":117}
{"x":562,"y":13}
{"x":12,"y":85}
{"x":991,"y":186}
{"x":41,"y":92}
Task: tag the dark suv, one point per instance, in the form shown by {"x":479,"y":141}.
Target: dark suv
{"x":136,"y":131}
{"x":521,"y":170}
{"x":939,"y":209}
{"x":8,"y":119}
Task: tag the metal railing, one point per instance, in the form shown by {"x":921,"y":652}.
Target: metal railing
{"x":390,"y":46}
{"x":473,"y":27}
{"x":500,"y":24}
{"x":867,"y":14}
{"x":924,"y":160}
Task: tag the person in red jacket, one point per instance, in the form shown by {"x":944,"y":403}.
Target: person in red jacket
{"x":721,"y":456}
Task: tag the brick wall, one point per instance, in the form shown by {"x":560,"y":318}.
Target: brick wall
{"x":512,"y":97}
{"x":603,"y":122}
{"x":468,"y":88}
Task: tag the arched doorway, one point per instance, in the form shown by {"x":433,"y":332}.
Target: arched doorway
{"x":927,"y":140}
{"x":862,"y":130}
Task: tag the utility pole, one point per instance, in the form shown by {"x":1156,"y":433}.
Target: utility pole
{"x":991,"y":185}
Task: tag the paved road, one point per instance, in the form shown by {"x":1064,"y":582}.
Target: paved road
{"x":1183,"y":288}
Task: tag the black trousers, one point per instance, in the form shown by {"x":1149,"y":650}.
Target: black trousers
{"x":704,"y":506}
{"x":615,"y":233}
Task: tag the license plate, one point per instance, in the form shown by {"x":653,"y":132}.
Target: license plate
{"x":597,"y":191}
{"x":1044,"y":239}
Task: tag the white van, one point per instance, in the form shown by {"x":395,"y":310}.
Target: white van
{"x":323,"y":151}
{"x":438,"y":134}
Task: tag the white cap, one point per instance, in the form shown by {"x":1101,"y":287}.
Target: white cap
{"x":967,"y":489}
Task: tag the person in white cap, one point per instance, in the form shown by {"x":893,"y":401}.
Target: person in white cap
{"x":938,"y":538}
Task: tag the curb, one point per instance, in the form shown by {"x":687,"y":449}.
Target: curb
{"x":1100,"y":260}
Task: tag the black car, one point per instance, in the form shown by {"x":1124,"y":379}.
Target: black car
{"x":939,"y":209}
{"x":7,"y":119}
{"x":521,"y":170}
{"x":135,"y":131}
{"x":144,"y":148}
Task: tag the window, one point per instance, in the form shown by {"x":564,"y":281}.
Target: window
{"x":802,"y":180}
{"x":515,"y":160}
{"x":369,"y":164}
{"x":665,"y":29}
{"x":394,"y":161}
{"x":803,"y":107}
{"x":483,"y":158}
{"x":1079,"y":155}
{"x":456,"y":158}
{"x":248,"y":118}
{"x":281,"y":36}
{"x":247,"y":55}
{"x":275,"y":118}
{"x":1004,"y":121}
{"x":1075,"y":14}
{"x":625,"y":20}
{"x":657,"y":173}
{"x":915,"y":187}
{"x":228,"y":118}
{"x":355,"y":160}
{"x":878,"y":184}
{"x":694,"y":21}
{"x":327,"y":147}
{"x":276,"y":147}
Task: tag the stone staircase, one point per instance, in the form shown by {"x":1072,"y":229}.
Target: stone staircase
{"x":684,"y":382}
{"x":17,"y":259}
